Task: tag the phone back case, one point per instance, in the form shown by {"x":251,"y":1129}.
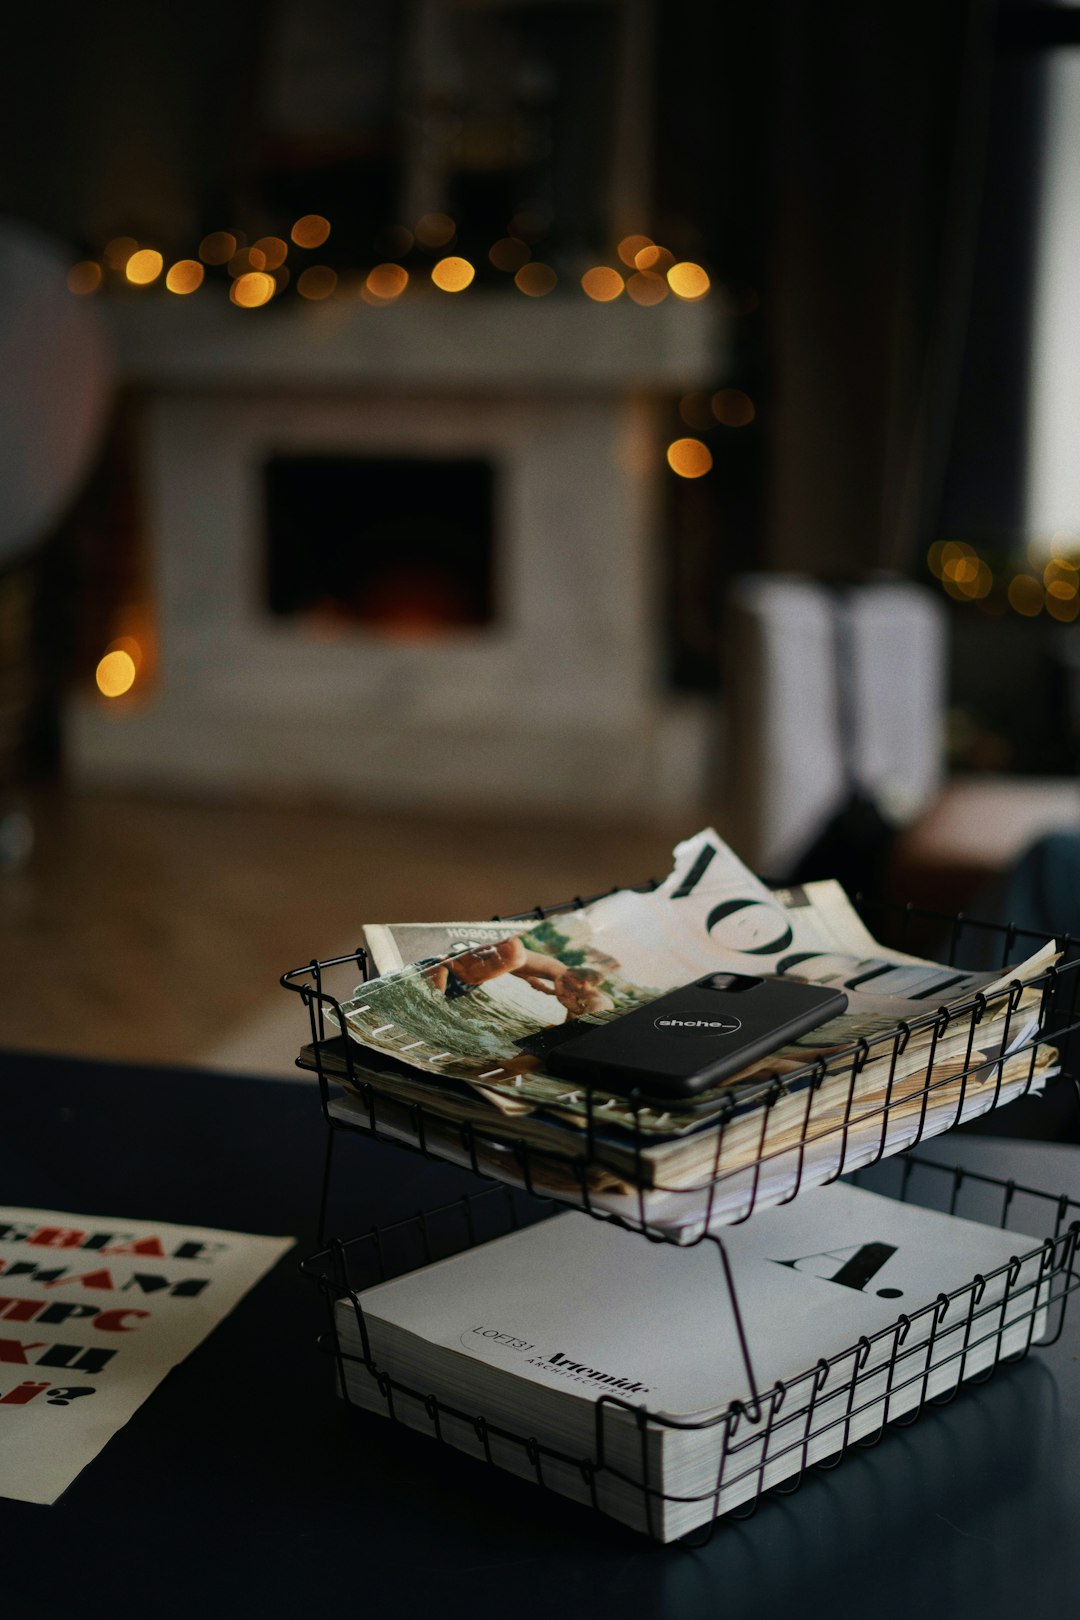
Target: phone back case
{"x":693,"y":1037}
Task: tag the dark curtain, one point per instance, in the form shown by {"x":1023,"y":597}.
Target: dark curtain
{"x":880,"y":118}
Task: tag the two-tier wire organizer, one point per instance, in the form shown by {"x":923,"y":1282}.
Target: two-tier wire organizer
{"x":831,"y":1126}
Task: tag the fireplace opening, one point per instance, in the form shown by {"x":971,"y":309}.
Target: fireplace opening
{"x":399,"y":546}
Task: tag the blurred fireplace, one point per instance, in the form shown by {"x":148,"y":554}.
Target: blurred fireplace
{"x":402,"y":546}
{"x":410,"y":555}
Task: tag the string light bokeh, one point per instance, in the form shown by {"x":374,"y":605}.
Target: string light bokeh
{"x":643,"y":270}
{"x":254,"y":271}
{"x":997,"y":585}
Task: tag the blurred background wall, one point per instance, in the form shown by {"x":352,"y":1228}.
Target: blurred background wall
{"x":582,"y":409}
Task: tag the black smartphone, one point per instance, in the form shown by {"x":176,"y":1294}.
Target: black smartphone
{"x":693,"y":1037}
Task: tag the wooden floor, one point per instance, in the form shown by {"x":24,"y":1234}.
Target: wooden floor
{"x":149,"y":930}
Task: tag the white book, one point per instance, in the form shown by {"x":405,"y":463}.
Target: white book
{"x":599,"y":1346}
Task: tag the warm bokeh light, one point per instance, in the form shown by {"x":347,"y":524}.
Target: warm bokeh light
{"x":964,"y":574}
{"x":646,"y":288}
{"x":387,"y":281}
{"x":452,"y":274}
{"x":944,"y":552}
{"x":602,"y":283}
{"x":115,"y":674}
{"x":535,"y":280}
{"x":253,"y":289}
{"x":631,"y":246}
{"x":185,"y":276}
{"x":1060,"y":572}
{"x":967,"y":578}
{"x":983,"y":582}
{"x":1064,"y":609}
{"x":144,"y":267}
{"x":435,"y":230}
{"x":689,"y":458}
{"x":1064,"y":545}
{"x":245,"y":259}
{"x":119,"y":251}
{"x":84,"y":277}
{"x":318,"y":281}
{"x":655,"y":258}
{"x":274,"y":252}
{"x":696,"y":411}
{"x":509,"y":253}
{"x":961,"y":572}
{"x":1025,"y":595}
{"x":217,"y":248}
{"x":688,"y":281}
{"x":310,"y":231}
{"x":281,"y":277}
{"x":732,"y":408}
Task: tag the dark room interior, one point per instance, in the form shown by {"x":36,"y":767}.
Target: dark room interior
{"x":452,"y":451}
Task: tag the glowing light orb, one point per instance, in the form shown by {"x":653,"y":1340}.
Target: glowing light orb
{"x":387,"y":281}
{"x":689,"y":458}
{"x":185,"y":276}
{"x":310,"y":231}
{"x":253,"y":289}
{"x":115,"y":674}
{"x":687,"y":280}
{"x":452,"y":275}
{"x":602,"y":284}
{"x":535,"y":280}
{"x":144,"y":267}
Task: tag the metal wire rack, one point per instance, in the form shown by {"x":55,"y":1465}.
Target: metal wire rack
{"x":808,"y":1422}
{"x":792,"y":1426}
{"x":804,"y":1128}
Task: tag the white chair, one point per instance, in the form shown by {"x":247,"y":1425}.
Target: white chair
{"x":830,"y":691}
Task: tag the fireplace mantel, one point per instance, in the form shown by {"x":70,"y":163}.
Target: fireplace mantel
{"x":467,"y":343}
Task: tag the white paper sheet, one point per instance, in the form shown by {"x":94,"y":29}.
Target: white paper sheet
{"x":94,"y":1311}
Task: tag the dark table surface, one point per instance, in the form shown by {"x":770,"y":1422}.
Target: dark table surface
{"x":244,"y":1486}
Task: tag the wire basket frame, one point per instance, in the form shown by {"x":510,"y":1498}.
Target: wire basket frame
{"x":770,"y":1440}
{"x":825,"y":1128}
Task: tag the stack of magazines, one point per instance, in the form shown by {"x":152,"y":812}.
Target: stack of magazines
{"x":613,"y":1370}
{"x":446,"y":1047}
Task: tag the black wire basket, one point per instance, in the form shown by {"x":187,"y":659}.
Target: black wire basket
{"x":802,"y":1129}
{"x":772,"y":1439}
